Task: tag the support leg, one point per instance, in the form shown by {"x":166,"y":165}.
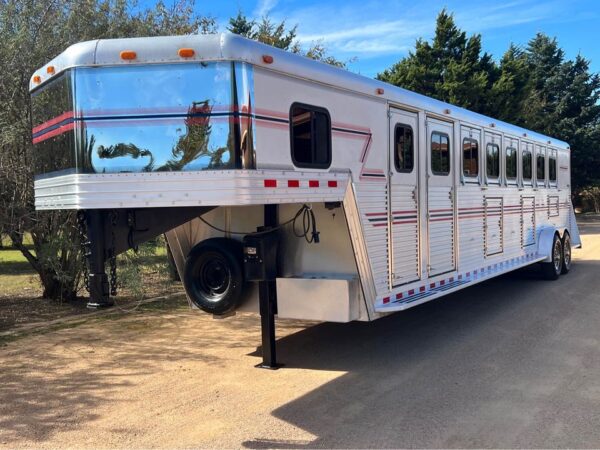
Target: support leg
{"x":99,"y":288}
{"x":267,"y":292}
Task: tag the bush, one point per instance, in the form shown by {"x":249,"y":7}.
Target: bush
{"x":590,"y":199}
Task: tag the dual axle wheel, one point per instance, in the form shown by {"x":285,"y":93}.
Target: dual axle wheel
{"x":561,"y":258}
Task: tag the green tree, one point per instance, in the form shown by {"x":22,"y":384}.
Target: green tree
{"x":451,"y":68}
{"x":278,"y":35}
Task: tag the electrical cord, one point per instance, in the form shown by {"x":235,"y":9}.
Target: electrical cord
{"x":309,"y":223}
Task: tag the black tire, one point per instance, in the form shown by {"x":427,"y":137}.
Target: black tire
{"x":566,"y":253}
{"x":552,"y":270}
{"x":213,"y":276}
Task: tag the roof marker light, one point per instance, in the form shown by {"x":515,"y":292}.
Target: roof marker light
{"x":37,"y":79}
{"x":524,"y":134}
{"x":50,"y":70}
{"x":267,"y":59}
{"x":493,"y":125}
{"x":128,"y":55}
{"x":446,"y":111}
{"x":186,"y":52}
{"x":379,"y":91}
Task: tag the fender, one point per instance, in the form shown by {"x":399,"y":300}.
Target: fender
{"x":545,"y":240}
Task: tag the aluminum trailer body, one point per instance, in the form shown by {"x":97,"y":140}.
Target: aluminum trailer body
{"x":413,"y":198}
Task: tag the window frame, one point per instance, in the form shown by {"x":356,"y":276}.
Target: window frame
{"x":540,"y":152}
{"x":488,"y":177}
{"x":529,"y":181}
{"x":553,"y":155}
{"x":404,"y":125}
{"x":312,"y":108}
{"x":470,"y":178}
{"x":441,"y":134}
{"x":511,"y":181}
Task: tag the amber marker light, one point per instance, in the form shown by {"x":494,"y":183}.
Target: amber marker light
{"x":37,"y":79}
{"x":379,"y":91}
{"x":50,"y":70}
{"x":267,"y":59}
{"x":186,"y":52}
{"x":128,"y":55}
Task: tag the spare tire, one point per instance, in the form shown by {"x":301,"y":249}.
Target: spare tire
{"x":213,"y":275}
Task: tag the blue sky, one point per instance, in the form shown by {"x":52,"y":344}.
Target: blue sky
{"x":378,"y":33}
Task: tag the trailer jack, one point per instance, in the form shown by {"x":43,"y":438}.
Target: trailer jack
{"x":260,"y":264}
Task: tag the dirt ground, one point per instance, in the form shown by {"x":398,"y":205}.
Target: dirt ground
{"x":513,"y":362}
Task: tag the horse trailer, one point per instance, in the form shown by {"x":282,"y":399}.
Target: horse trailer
{"x":331,"y":196}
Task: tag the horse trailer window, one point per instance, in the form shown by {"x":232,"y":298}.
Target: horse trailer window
{"x":527,"y":170}
{"x":492,"y":160}
{"x":552,"y":167}
{"x":541,"y":167}
{"x":404,"y":151}
{"x":310,"y":136}
{"x":511,"y":163}
{"x":440,"y":154}
{"x":470,"y":157}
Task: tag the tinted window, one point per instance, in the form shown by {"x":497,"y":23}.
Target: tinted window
{"x":470,"y":158}
{"x":492,"y":160}
{"x":511,"y":163}
{"x":440,"y":154}
{"x":527,"y":170}
{"x":541,"y":167}
{"x":310,"y":136}
{"x":404,"y":151}
{"x":552,"y":167}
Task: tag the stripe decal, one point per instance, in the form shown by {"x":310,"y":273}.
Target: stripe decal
{"x":431,"y":288}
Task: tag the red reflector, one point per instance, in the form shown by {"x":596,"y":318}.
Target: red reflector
{"x":432,"y":285}
{"x":386,"y":300}
{"x":332,"y":183}
{"x":293,"y":183}
{"x":422,"y":289}
{"x":442,"y":282}
{"x":399,"y":295}
{"x":313,"y":183}
{"x":270,"y":183}
{"x":411,"y":292}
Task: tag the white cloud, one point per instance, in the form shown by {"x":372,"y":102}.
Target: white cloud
{"x":264,"y":7}
{"x":372,"y":28}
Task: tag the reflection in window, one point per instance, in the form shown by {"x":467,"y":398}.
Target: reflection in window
{"x":440,"y":153}
{"x":470,"y":157}
{"x":172,"y":117}
{"x":492,"y":160}
{"x":511,"y":163}
{"x":404,"y":151}
{"x":527,"y":169}
{"x":541,"y":168}
{"x":552,"y":167}
{"x":310,"y":136}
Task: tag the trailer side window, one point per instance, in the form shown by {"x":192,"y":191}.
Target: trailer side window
{"x":404,"y":152}
{"x":470,"y":157}
{"x":492,"y":160}
{"x":440,"y":153}
{"x":310,"y":136}
{"x":527,"y":170}
{"x":541,"y":168}
{"x":552,"y":167}
{"x":511,"y":163}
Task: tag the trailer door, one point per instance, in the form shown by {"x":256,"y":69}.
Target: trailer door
{"x":403,"y":201}
{"x":440,"y":198}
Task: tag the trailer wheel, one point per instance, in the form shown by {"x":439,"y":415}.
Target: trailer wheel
{"x":213,"y":276}
{"x":551,"y":270}
{"x":566,"y":251}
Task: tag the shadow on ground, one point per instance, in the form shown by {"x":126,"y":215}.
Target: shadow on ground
{"x":490,"y":366}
